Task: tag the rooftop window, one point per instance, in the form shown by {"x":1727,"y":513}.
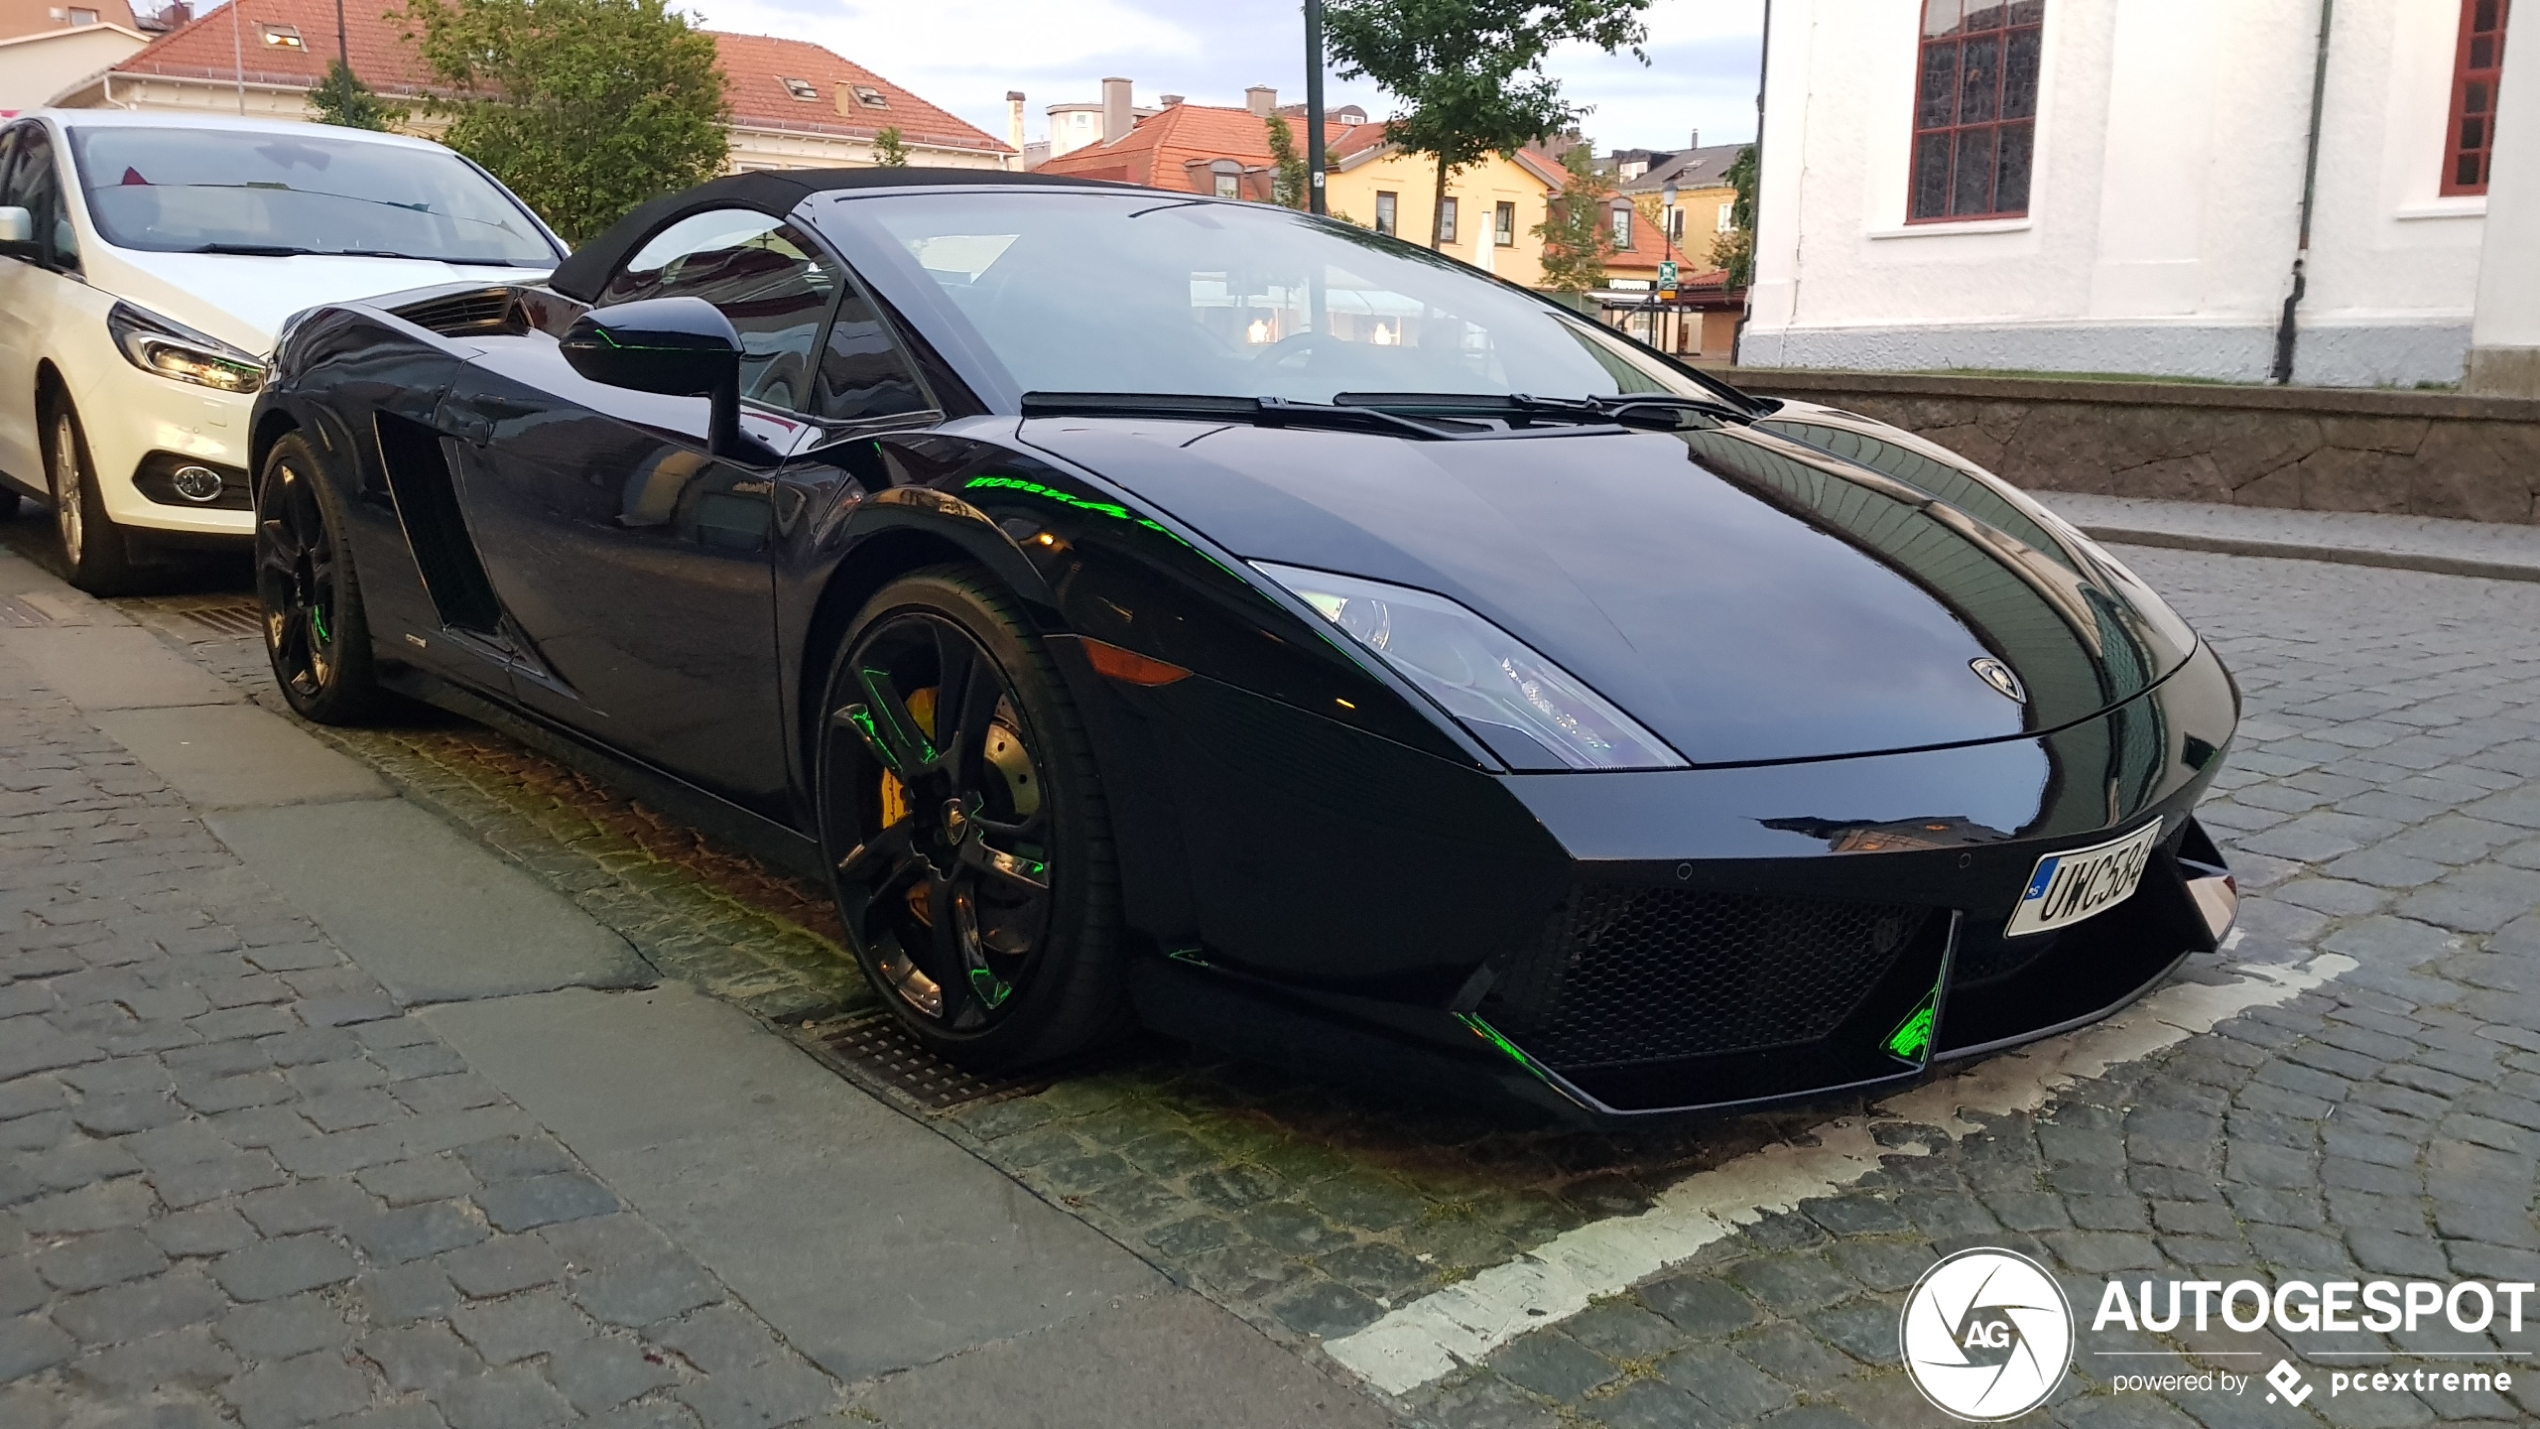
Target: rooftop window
{"x":871,"y":98}
{"x":282,"y":37}
{"x":800,"y":89}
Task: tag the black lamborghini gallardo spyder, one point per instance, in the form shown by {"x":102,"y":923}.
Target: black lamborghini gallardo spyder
{"x":1147,"y":608}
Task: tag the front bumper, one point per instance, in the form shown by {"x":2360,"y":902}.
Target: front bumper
{"x":1717,"y":939}
{"x":139,"y":424}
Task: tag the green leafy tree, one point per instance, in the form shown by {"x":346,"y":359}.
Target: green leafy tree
{"x":889,"y":151}
{"x":1577,"y":235}
{"x":1735,"y":249}
{"x":342,"y":99}
{"x":586,"y":108}
{"x":1287,"y":183}
{"x":1469,"y":73}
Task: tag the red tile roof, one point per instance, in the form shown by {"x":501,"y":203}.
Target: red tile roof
{"x":1649,"y":249}
{"x":1173,"y":149}
{"x":754,"y":68}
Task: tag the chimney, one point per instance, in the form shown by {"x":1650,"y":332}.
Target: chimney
{"x":1261,"y":99}
{"x":1694,"y":141}
{"x":1167,"y":101}
{"x":1116,"y":119}
{"x":1014,"y":119}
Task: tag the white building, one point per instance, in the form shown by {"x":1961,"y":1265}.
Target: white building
{"x":2117,"y":186}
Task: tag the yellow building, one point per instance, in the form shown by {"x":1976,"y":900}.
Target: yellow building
{"x":1493,"y":207}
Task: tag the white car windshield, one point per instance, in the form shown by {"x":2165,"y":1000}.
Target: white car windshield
{"x":1149,"y":293}
{"x":240,"y":191}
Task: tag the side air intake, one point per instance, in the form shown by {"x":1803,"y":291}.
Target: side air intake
{"x":428,"y":508}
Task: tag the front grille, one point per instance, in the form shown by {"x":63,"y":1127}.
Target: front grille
{"x":1650,"y":974}
{"x":485,"y":312}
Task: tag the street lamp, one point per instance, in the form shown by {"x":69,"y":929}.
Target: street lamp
{"x":1667,"y":258}
{"x":1314,"y":107}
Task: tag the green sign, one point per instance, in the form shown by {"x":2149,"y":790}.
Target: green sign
{"x":1667,"y":274}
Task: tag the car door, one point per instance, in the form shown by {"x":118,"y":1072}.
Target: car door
{"x":26,"y":284}
{"x":634,"y":559}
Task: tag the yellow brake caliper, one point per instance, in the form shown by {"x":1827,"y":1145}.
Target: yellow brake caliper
{"x":895,"y":807}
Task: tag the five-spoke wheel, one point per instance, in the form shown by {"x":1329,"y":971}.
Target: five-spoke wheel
{"x":960,"y":813}
{"x":93,"y":550}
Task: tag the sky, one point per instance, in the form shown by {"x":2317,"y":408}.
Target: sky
{"x":965,"y":55}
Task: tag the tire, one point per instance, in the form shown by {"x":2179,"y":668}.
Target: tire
{"x":936,"y":854}
{"x":316,"y":634}
{"x":95,"y":555}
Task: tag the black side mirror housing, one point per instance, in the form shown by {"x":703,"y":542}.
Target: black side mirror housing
{"x":678,"y":347}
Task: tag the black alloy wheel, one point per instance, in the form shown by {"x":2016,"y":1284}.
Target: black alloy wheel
{"x":961,"y":814}
{"x":315,"y":632}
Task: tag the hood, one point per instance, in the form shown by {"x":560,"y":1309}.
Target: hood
{"x":244,"y":300}
{"x":1749,"y":598}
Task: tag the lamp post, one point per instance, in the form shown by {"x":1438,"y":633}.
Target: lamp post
{"x":1666,"y":252}
{"x":1314,"y":201}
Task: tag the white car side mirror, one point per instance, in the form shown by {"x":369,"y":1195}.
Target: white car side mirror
{"x":16,"y":225}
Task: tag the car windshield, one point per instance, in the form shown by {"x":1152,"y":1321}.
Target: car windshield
{"x":242,"y":191}
{"x":1151,"y":293}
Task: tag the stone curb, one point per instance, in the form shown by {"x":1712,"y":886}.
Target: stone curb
{"x":2303,"y":551}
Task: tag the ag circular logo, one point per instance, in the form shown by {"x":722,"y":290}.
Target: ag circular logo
{"x":1986,"y":1335}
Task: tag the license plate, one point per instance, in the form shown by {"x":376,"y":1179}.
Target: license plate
{"x":2068,"y":887}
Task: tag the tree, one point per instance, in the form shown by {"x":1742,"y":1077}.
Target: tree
{"x":585,"y":108}
{"x":1469,"y":73}
{"x":888,"y":150}
{"x":1578,"y":236}
{"x":1735,"y":249}
{"x":1287,"y":184}
{"x":342,"y":99}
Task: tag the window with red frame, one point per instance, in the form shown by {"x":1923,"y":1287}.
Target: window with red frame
{"x":2475,"y":69}
{"x":1975,"y":109}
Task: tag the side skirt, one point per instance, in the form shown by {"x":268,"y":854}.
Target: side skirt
{"x":762,"y":838}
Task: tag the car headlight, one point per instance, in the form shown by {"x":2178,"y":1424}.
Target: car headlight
{"x":1529,"y":711}
{"x":171,"y":349}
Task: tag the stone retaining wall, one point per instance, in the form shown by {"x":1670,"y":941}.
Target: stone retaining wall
{"x":2309,"y":449}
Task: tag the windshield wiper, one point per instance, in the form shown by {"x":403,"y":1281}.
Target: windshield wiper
{"x":1257,"y":411}
{"x":1640,"y":409}
{"x":253,"y":250}
{"x":285,"y":250}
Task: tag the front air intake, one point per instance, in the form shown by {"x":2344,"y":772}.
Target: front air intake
{"x":1639,"y":974}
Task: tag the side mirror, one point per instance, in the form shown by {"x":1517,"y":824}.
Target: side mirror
{"x":17,"y":232}
{"x":678,"y":347}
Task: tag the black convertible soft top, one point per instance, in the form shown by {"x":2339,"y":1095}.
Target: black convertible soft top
{"x":580,"y":275}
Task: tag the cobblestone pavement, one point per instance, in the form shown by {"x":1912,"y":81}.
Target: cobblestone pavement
{"x":241,"y":1184}
{"x":2380,"y":805}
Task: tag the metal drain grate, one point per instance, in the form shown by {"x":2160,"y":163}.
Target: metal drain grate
{"x":19,"y":613}
{"x":873,"y":1045}
{"x":237,"y":619}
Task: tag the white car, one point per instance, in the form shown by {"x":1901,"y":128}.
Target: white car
{"x":147,"y":262}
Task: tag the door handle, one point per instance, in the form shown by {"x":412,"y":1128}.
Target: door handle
{"x":473,"y":428}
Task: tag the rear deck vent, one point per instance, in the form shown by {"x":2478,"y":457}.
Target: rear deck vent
{"x":1641,"y":974}
{"x":487,"y":312}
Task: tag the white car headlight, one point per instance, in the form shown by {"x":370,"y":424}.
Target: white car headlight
{"x":1529,"y":711}
{"x":171,"y":349}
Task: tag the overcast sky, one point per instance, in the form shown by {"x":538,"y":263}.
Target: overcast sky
{"x":965,"y":55}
